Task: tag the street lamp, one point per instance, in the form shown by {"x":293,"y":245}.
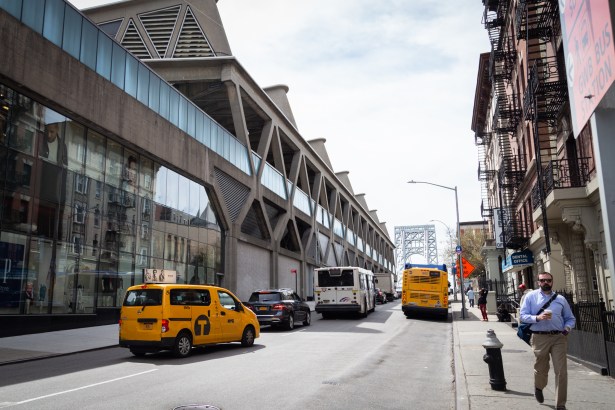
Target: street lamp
{"x":463,"y":299}
{"x":450,"y":238}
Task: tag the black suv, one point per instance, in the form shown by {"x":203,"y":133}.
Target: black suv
{"x":279,"y":307}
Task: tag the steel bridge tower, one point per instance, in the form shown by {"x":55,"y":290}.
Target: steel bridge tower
{"x":415,"y":240}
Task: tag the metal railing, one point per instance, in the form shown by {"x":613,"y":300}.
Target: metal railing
{"x":561,"y":174}
{"x":564,"y":173}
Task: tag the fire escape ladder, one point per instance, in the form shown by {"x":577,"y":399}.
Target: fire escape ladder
{"x":485,"y":176}
{"x":546,"y":93}
{"x":507,"y":116}
{"x":511,"y":174}
{"x":494,"y":18}
{"x":537,"y":19}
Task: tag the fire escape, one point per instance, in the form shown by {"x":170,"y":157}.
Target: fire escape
{"x":485,"y":175}
{"x":505,"y":121}
{"x":538,"y":24}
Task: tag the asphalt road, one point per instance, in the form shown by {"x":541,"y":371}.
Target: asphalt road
{"x":384,"y":361}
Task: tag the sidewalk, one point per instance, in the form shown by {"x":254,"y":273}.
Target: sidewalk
{"x":586,"y":388}
{"x":30,"y":347}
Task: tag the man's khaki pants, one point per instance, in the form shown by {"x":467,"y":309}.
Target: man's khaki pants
{"x":557,"y":347}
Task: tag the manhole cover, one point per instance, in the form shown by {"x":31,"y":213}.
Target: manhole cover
{"x":196,"y":407}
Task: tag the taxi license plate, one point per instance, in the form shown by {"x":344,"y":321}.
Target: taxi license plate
{"x":148,"y":326}
{"x":262,"y":308}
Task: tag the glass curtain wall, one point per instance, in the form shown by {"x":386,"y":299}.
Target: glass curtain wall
{"x":81,"y":216}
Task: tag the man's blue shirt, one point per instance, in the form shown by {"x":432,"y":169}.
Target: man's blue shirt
{"x":562,"y":314}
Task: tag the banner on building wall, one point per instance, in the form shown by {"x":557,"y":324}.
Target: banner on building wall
{"x":498,"y":229}
{"x":590,"y":55}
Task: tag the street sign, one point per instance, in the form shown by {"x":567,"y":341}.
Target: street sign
{"x":458,"y":250}
{"x":468,"y":268}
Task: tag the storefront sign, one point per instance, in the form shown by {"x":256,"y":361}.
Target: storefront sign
{"x":518,"y":261}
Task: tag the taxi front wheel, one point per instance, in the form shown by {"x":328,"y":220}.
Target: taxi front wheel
{"x":183,"y":345}
{"x":247,"y":339}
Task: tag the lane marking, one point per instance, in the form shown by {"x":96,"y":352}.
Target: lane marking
{"x":5,"y":404}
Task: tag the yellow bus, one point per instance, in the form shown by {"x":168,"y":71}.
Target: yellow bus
{"x":425,"y":290}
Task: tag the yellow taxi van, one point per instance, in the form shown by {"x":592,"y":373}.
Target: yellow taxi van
{"x":176,"y":317}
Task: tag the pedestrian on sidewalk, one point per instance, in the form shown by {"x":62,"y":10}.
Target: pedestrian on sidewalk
{"x":523,"y":291}
{"x":549,"y":337}
{"x":470,"y":294}
{"x":482,"y":303}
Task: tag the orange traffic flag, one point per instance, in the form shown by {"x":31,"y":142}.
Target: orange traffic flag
{"x":468,"y":268}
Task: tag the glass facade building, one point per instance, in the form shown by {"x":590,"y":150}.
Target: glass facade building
{"x":83,"y":215}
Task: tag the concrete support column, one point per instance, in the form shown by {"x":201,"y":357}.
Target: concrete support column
{"x":230,"y":258}
{"x":492,"y":257}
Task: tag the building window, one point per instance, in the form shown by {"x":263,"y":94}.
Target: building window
{"x":144,"y":231}
{"x":76,"y":244}
{"x":79,"y":216}
{"x":142,"y":258}
{"x":97,"y":217}
{"x":147,"y":180}
{"x":81,"y":184}
{"x":147,"y":206}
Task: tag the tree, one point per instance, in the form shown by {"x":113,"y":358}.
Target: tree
{"x":472,"y":243}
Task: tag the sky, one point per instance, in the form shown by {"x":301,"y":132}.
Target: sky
{"x":389,"y":84}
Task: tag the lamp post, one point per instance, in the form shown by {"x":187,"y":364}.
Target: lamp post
{"x":463,"y":299}
{"x":450,"y":238}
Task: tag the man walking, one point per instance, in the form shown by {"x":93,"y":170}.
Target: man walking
{"x":550,"y":327}
{"x":470,"y":294}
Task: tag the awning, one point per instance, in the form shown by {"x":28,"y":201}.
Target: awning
{"x":518,"y":261}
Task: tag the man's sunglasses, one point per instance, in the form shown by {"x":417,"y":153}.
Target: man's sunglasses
{"x":545,"y":280}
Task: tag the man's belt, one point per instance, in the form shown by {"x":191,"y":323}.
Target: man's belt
{"x":549,"y":332}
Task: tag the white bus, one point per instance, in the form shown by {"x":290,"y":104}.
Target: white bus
{"x":344,"y":289}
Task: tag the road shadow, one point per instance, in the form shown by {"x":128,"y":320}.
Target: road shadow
{"x":77,"y":362}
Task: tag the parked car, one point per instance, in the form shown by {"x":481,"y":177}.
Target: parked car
{"x":381,"y":297}
{"x":279,"y":307}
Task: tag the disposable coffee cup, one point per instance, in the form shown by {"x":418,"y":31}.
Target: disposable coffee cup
{"x":549,"y":313}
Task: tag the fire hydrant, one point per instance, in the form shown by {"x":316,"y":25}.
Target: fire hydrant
{"x":493,"y":358}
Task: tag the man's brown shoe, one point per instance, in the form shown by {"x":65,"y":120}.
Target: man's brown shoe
{"x":538,"y":394}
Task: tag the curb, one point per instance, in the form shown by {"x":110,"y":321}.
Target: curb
{"x":462,"y":391}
